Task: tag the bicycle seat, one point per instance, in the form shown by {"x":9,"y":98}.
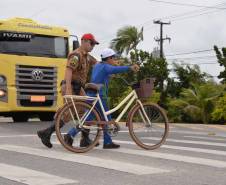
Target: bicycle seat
{"x":93,"y":86}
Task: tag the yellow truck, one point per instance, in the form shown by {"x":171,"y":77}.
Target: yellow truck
{"x":32,"y":64}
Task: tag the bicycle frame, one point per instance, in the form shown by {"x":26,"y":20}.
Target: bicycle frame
{"x":128,"y":100}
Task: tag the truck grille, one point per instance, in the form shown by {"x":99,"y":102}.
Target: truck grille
{"x":36,"y":81}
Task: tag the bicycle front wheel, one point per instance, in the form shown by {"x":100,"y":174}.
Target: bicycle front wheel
{"x":148,"y":125}
{"x":68,"y":121}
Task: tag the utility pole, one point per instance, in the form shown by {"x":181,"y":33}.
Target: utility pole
{"x":161,"y":39}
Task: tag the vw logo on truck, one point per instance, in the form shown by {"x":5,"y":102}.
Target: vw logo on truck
{"x":37,"y":75}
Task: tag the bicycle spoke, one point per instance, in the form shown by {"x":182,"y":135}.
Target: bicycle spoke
{"x":148,"y":126}
{"x":84,"y":136}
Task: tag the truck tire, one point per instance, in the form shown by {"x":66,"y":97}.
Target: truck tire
{"x":19,"y":118}
{"x":46,"y":116}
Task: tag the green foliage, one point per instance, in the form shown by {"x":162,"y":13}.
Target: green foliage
{"x":176,"y":111}
{"x":220,"y":112}
{"x":221,"y":56}
{"x":186,"y":76}
{"x":173,"y":87}
{"x":149,"y":67}
{"x":189,"y":74}
{"x":190,"y":97}
{"x":127,"y":39}
{"x":153,"y":67}
{"x":154,"y":98}
{"x":117,"y":91}
{"x":196,"y":103}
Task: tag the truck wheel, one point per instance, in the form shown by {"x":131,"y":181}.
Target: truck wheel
{"x":46,"y":116}
{"x":20,"y":118}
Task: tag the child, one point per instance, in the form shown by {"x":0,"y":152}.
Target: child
{"x":100,"y":75}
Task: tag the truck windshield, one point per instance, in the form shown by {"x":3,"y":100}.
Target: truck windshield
{"x":34,"y":45}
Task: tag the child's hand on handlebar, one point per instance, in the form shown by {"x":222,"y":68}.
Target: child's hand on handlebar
{"x":135,"y":68}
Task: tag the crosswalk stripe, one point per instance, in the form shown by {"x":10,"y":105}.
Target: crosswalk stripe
{"x":31,"y":177}
{"x":122,"y":131}
{"x":190,"y":142}
{"x":16,"y":136}
{"x":174,"y":157}
{"x":80,"y":158}
{"x":215,"y":152}
{"x":188,"y":126}
{"x":217,"y":127}
{"x":181,"y":132}
{"x":206,"y":138}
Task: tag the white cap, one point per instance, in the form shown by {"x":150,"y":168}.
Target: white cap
{"x":108,"y":53}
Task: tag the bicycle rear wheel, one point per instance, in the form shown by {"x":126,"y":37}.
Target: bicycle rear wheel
{"x":68,"y":118}
{"x":148,"y":135}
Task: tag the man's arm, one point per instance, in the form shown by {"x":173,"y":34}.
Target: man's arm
{"x":121,"y":69}
{"x":72,"y":63}
{"x":110,"y":69}
{"x":68,"y":77}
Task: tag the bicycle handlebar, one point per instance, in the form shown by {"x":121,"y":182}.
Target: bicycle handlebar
{"x":125,"y":81}
{"x":134,"y":85}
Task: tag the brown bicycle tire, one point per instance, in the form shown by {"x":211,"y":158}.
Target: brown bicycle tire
{"x":59,"y":135}
{"x":135,"y":138}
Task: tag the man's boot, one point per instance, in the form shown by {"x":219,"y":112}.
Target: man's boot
{"x":45,"y":134}
{"x":86,"y":141}
{"x":68,"y":139}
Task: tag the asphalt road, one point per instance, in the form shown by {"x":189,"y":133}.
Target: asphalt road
{"x":192,"y":155}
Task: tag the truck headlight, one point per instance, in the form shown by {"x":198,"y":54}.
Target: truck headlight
{"x":2,"y":93}
{"x":2,"y":80}
{"x":3,"y":89}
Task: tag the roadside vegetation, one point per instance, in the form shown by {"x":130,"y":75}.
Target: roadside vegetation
{"x":190,"y":96}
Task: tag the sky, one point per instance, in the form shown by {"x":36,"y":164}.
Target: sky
{"x":196,"y":25}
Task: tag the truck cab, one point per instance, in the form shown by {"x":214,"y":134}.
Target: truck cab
{"x":32,"y":64}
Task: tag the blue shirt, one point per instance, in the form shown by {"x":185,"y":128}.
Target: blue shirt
{"x":101,"y":73}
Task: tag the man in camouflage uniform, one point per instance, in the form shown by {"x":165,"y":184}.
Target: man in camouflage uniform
{"x":76,"y":74}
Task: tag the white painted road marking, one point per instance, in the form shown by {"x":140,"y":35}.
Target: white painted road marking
{"x":31,"y":177}
{"x":189,"y":141}
{"x":16,"y":136}
{"x":215,"y":152}
{"x":93,"y":161}
{"x":174,"y":157}
{"x":212,"y":138}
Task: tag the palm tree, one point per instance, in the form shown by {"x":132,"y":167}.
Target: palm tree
{"x":198,"y":102}
{"x":127,"y":39}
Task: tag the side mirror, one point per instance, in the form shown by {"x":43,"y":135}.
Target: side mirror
{"x":75,"y":44}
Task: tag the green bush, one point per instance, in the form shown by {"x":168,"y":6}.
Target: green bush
{"x":219,"y":113}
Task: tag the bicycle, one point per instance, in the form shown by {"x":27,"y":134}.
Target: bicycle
{"x":147,"y":122}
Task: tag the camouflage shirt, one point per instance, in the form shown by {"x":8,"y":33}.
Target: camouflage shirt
{"x":80,"y":62}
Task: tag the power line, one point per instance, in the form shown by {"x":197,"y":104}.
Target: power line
{"x":192,"y":52}
{"x":185,"y":4}
{"x":177,"y":16}
{"x":167,"y":17}
{"x":197,"y":63}
{"x":196,"y":57}
{"x":188,"y":17}
{"x":192,"y":16}
{"x":196,"y":60}
{"x":191,"y":12}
